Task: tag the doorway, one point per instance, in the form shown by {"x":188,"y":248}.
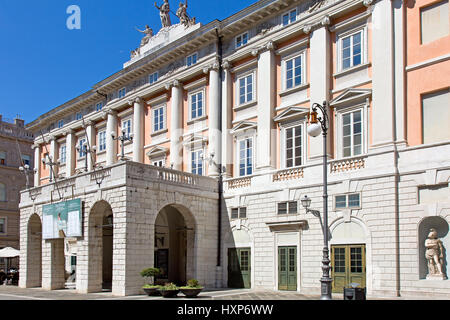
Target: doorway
{"x":348,"y":264}
{"x":239,"y":268}
{"x":287,"y":268}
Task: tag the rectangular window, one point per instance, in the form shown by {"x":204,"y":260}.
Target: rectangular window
{"x":289,"y":17}
{"x":241,"y":40}
{"x":122,"y":92}
{"x":436,"y":117}
{"x":158,"y":163}
{"x":351,"y":50}
{"x":126,"y":127}
{"x":352,"y":134}
{"x":197,"y":105}
{"x":197,"y":162}
{"x":294,"y":146}
{"x":191,"y":60}
{"x":2,"y":192}
{"x":245,"y":89}
{"x":348,"y":201}
{"x":26,"y":160}
{"x":60,"y":124}
{"x":158,"y":119}
{"x":81,"y":144}
{"x":102,"y":141}
{"x":79,"y":116}
{"x":239,"y":213}
{"x":99,"y":106}
{"x":153,"y":78}
{"x":3,"y":158}
{"x":294,"y":72}
{"x":246,"y":157}
{"x":434,"y":22}
{"x":62,"y":154}
{"x":287,"y":207}
{"x":3,"y":225}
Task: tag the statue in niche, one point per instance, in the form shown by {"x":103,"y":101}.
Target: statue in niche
{"x":184,"y":17}
{"x":434,"y":254}
{"x":148,"y":34}
{"x":164,"y":12}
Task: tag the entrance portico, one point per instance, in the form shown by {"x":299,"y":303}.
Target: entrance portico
{"x":131,"y":196}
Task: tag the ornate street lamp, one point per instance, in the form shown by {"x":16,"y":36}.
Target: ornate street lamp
{"x":318,"y":125}
{"x":124,"y":137}
{"x":48,"y":160}
{"x":25,"y":169}
{"x":86,"y":150}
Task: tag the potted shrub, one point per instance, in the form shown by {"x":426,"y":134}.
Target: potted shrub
{"x":192,"y":289}
{"x":169,"y":290}
{"x":149,"y":274}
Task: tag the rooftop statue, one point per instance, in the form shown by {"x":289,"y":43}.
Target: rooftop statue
{"x":148,"y":34}
{"x":184,"y":17}
{"x":164,"y":11}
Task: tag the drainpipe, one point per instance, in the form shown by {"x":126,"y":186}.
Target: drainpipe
{"x":219,"y":213}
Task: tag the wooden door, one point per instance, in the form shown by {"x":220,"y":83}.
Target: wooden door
{"x":287,"y":268}
{"x":239,"y":268}
{"x":348,"y":264}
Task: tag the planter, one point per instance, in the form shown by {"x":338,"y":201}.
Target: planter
{"x":169,"y":293}
{"x":151,"y":291}
{"x":191,"y":292}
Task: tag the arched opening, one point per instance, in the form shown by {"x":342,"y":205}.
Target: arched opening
{"x":174,"y":245}
{"x":101,"y":237}
{"x":34,"y":253}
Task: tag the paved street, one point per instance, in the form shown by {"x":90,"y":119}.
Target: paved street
{"x":15,"y":293}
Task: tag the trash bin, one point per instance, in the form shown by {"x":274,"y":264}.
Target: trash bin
{"x":354,"y":293}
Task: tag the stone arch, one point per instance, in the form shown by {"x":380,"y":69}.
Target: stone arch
{"x":176,"y":240}
{"x":100,"y":247}
{"x":34,"y":252}
{"x":348,"y":232}
{"x":423,"y":228}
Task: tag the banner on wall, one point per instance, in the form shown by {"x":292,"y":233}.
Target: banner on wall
{"x":62,"y":220}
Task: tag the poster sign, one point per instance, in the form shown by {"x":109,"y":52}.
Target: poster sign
{"x":62,"y":220}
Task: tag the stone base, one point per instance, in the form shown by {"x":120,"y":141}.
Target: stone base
{"x":436,"y":277}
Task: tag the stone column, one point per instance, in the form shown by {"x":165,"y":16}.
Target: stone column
{"x":91,"y":137}
{"x":53,"y":262}
{"x":214,"y":121}
{"x":382,"y":74}
{"x":227,"y":117}
{"x":70,"y":153}
{"x":37,"y":165}
{"x":111,"y":145}
{"x":266,"y":139}
{"x":320,"y":59}
{"x":138,"y":131}
{"x":176,"y":126}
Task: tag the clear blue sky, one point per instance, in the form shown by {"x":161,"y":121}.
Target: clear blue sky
{"x":43,"y":64}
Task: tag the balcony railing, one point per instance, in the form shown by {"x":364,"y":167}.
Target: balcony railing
{"x":239,"y":183}
{"x":347,"y":165}
{"x":288,"y":174}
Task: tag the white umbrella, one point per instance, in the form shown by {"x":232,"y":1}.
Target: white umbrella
{"x":9,"y":252}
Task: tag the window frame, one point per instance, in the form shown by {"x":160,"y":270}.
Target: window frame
{"x":288,"y":208}
{"x":164,"y":122}
{"x":200,"y":160}
{"x":238,"y":156}
{"x":5,"y":226}
{"x":289,"y":15}
{"x":304,"y":64}
{"x":239,"y":209}
{"x":347,"y":196}
{"x":62,"y":160}
{"x":3,"y":160}
{"x":3,"y":187}
{"x":101,"y":146}
{"x":195,"y":54}
{"x":339,"y":130}
{"x":122,"y":92}
{"x":81,"y":154}
{"x":241,"y":36}
{"x":99,"y":106}
{"x":283,"y":143}
{"x":196,"y":93}
{"x":78,"y":116}
{"x":363,"y":29}
{"x":241,"y":76}
{"x":130,"y":127}
{"x":153,"y":75}
{"x":60,"y":124}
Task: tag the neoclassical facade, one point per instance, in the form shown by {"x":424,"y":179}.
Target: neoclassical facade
{"x":216,"y":156}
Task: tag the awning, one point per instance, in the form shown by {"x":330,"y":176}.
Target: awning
{"x":9,"y":252}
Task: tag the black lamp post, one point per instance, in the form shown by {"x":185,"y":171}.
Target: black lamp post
{"x":318,"y":125}
{"x":25,"y":169}
{"x":48,"y":160}
{"x":85,"y":151}
{"x":124,"y":137}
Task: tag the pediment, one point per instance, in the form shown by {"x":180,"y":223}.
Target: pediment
{"x":156,"y":151}
{"x":351,"y":96}
{"x":242,"y":126}
{"x":291,"y":113}
{"x":193,"y":139}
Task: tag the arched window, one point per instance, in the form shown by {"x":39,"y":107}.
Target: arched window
{"x":2,"y":192}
